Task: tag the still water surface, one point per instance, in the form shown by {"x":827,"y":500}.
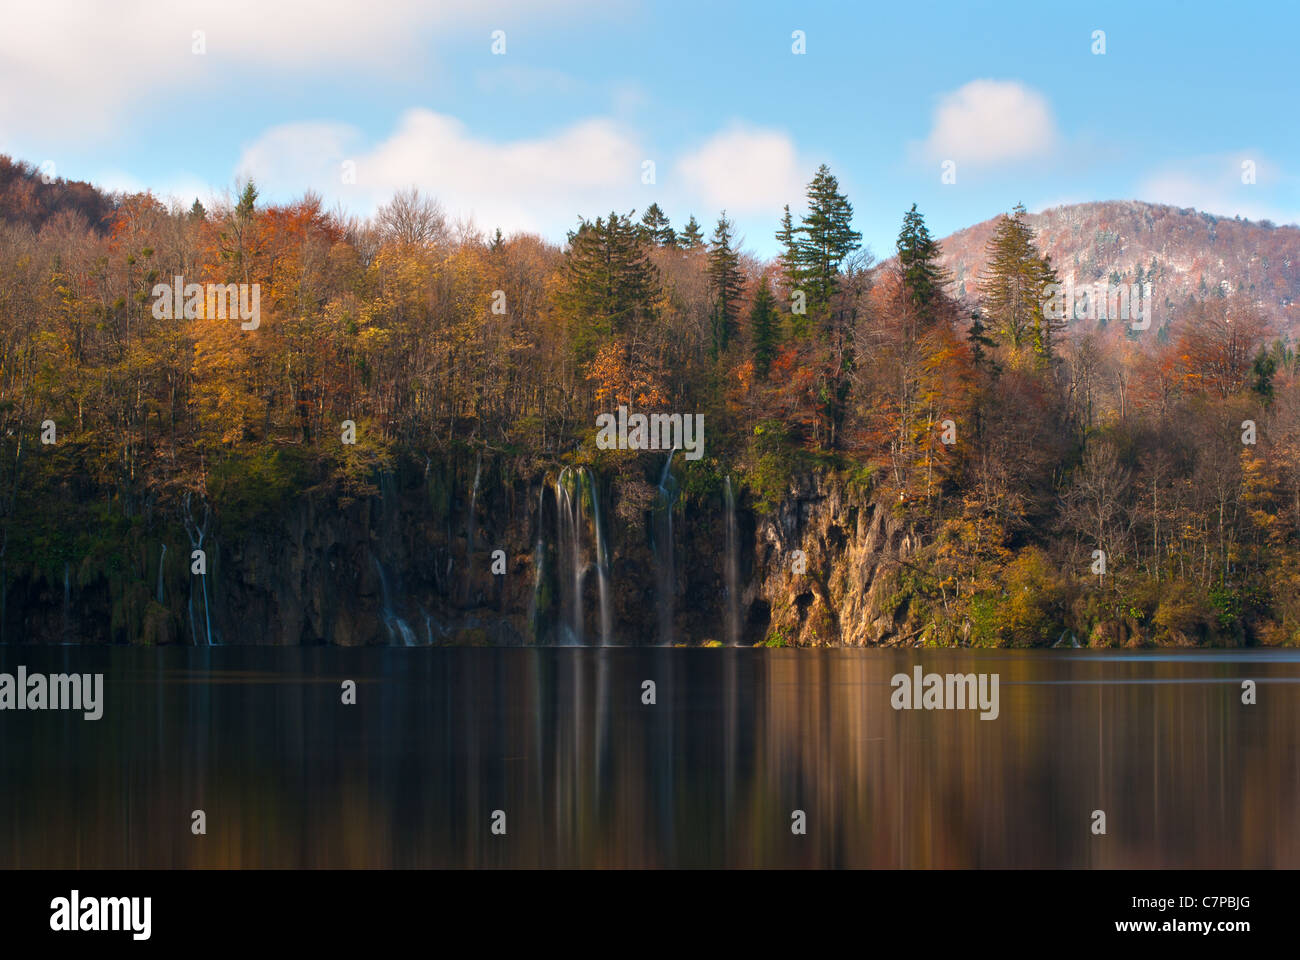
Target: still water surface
{"x":589,"y":776}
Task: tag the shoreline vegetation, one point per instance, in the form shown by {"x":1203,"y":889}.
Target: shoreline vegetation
{"x":885,"y":462}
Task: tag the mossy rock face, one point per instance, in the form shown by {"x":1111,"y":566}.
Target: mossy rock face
{"x":128,"y":614}
{"x":159,"y":628}
{"x":470,"y":637}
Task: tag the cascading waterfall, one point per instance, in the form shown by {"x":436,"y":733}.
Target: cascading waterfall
{"x":397,"y":627}
{"x":602,"y":560}
{"x":568,"y":545}
{"x":197,"y":533}
{"x":576,"y":495}
{"x":665,"y":578}
{"x":539,"y":560}
{"x":732,"y":569}
{"x":399,"y":631}
{"x":161,"y":557}
{"x":431,"y":626}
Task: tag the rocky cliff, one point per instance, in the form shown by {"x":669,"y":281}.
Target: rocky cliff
{"x":476,"y":554}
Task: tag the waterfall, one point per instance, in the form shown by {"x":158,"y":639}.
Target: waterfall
{"x":471,"y":525}
{"x":431,"y":625}
{"x":399,"y":631}
{"x":602,"y":561}
{"x":161,"y":557}
{"x":539,"y":560}
{"x":395,"y":625}
{"x":198,"y":533}
{"x":732,"y":569}
{"x":576,"y":496}
{"x":568,"y":548}
{"x":665,"y":577}
{"x":67,"y":597}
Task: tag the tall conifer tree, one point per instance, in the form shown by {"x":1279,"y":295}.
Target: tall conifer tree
{"x":726,"y":282}
{"x":1015,"y":289}
{"x":918,"y":265}
{"x":821,"y":242}
{"x":608,"y":282}
{"x":691,"y":237}
{"x":655,"y":228}
{"x":764,"y":328}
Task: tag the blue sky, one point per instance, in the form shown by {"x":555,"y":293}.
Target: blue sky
{"x":298,"y":94}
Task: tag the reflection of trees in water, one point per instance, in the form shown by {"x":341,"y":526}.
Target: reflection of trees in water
{"x":709,"y":775}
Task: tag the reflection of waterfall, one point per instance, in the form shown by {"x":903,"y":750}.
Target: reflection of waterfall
{"x":573,"y":490}
{"x":67,"y":595}
{"x":732,"y":570}
{"x":395,"y":625}
{"x":665,"y":578}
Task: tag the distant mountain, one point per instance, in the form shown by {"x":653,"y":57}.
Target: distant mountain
{"x":1185,"y":253}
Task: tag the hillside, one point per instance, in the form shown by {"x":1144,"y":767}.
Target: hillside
{"x":26,"y":197}
{"x":1189,"y":253}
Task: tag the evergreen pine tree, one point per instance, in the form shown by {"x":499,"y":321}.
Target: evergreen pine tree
{"x":655,"y":228}
{"x":608,"y":282}
{"x":764,"y":328}
{"x":980,"y":342}
{"x":789,"y":257}
{"x":824,"y":238}
{"x":244,"y":209}
{"x":726,"y":282}
{"x":691,"y":237}
{"x":1264,"y":368}
{"x":1015,"y":289}
{"x":918,"y":264}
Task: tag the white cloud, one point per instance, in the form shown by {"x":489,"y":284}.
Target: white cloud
{"x":1213,"y":184}
{"x":180,"y":188}
{"x":73,"y":68}
{"x":990,"y":121}
{"x":540,"y":184}
{"x":745,"y":170}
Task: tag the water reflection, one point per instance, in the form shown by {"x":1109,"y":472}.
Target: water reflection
{"x":589,"y":775}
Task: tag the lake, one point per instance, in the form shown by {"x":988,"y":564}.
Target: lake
{"x":586,"y":774}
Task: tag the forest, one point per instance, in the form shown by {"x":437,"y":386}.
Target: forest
{"x":1083,"y":480}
